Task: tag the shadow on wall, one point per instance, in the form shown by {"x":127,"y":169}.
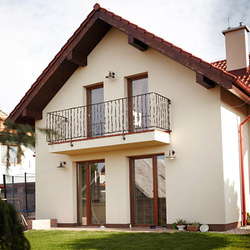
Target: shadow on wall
{"x":232,"y":202}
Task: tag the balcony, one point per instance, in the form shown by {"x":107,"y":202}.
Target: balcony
{"x":121,"y":118}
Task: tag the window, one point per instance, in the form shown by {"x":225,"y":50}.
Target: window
{"x":95,"y":99}
{"x":13,"y":152}
{"x":138,"y":103}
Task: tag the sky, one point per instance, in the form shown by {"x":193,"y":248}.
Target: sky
{"x":32,"y":32}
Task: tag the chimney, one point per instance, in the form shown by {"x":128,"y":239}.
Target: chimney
{"x":237,"y":49}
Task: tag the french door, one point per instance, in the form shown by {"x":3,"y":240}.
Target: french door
{"x":95,"y":99}
{"x":91,"y":193}
{"x":148,"y":191}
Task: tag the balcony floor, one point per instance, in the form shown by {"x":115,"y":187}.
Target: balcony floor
{"x":112,"y":142}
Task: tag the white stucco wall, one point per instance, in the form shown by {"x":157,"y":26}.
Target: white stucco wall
{"x":233,"y":112}
{"x":195,"y":179}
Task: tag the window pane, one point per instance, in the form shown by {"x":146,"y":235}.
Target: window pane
{"x":96,"y":95}
{"x":140,"y":104}
{"x":82,"y":190}
{"x":13,"y":153}
{"x":143,"y":191}
{"x":4,"y":153}
{"x":98,"y":193}
{"x":140,"y":86}
{"x":161,"y":190}
{"x":96,"y":112}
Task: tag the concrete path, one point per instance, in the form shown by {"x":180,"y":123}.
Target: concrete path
{"x":129,"y":230}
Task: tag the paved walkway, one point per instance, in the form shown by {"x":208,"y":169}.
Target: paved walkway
{"x":130,"y":230}
{"x":239,"y":230}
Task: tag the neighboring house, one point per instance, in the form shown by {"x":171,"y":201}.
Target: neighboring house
{"x":19,"y":164}
{"x":108,"y":94}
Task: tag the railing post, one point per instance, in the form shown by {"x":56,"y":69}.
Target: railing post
{"x":169,"y":102}
{"x":13,"y":195}
{"x":71,"y":143}
{"x":123,"y":120}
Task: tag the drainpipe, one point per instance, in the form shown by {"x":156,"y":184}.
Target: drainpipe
{"x":242,"y":171}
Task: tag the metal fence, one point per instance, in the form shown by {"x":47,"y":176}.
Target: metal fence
{"x":124,"y":115}
{"x":20,"y":187}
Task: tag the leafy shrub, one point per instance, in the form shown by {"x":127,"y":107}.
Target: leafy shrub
{"x":11,"y":229}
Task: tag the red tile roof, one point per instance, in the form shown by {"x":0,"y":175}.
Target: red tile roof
{"x":222,"y":65}
{"x":105,"y":19}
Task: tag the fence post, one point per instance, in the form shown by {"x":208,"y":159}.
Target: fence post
{"x":25,"y":190}
{"x":13,"y":190}
{"x":4,"y":186}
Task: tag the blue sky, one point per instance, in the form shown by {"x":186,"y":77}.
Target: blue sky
{"x":33,"y":31}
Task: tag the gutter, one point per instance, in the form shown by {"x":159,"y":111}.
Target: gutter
{"x":242,"y":171}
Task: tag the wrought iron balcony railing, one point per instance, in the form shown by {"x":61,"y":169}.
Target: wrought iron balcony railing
{"x":126,"y":115}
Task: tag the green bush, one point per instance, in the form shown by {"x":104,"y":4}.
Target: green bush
{"x":11,"y":229}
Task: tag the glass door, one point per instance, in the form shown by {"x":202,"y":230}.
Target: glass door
{"x":143,"y":191}
{"x":91,"y":193}
{"x":95,"y":99}
{"x":138,"y":103}
{"x":97,"y":193}
{"x":148,"y":191}
{"x":82,"y":194}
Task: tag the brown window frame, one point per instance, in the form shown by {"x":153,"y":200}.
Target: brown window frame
{"x":130,"y":95}
{"x":155,"y":186}
{"x":96,"y":86}
{"x":88,"y":191}
{"x":18,"y":162}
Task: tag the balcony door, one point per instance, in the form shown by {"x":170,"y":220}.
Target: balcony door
{"x":95,"y":99}
{"x":91,"y":193}
{"x":138,"y":103}
{"x":148,"y":191}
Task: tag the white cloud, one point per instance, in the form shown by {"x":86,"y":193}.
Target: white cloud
{"x":33,"y":31}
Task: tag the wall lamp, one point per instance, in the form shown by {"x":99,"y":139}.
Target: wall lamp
{"x":62,"y":165}
{"x":171,"y":155}
{"x":111,"y":75}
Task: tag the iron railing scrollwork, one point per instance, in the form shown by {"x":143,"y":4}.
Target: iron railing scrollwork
{"x":119,"y":116}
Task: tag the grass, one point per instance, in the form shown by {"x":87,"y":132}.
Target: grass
{"x":40,"y":239}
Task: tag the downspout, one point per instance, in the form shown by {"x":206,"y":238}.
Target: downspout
{"x":242,"y":171}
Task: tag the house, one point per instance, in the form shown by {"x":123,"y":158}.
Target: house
{"x":145,"y":132}
{"x":18,"y":164}
{"x":18,"y":179}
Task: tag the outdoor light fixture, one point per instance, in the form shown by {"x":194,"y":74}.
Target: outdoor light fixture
{"x":171,"y":155}
{"x":111,"y":75}
{"x":62,"y":165}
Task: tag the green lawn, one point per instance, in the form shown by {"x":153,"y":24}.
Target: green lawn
{"x":40,"y":239}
